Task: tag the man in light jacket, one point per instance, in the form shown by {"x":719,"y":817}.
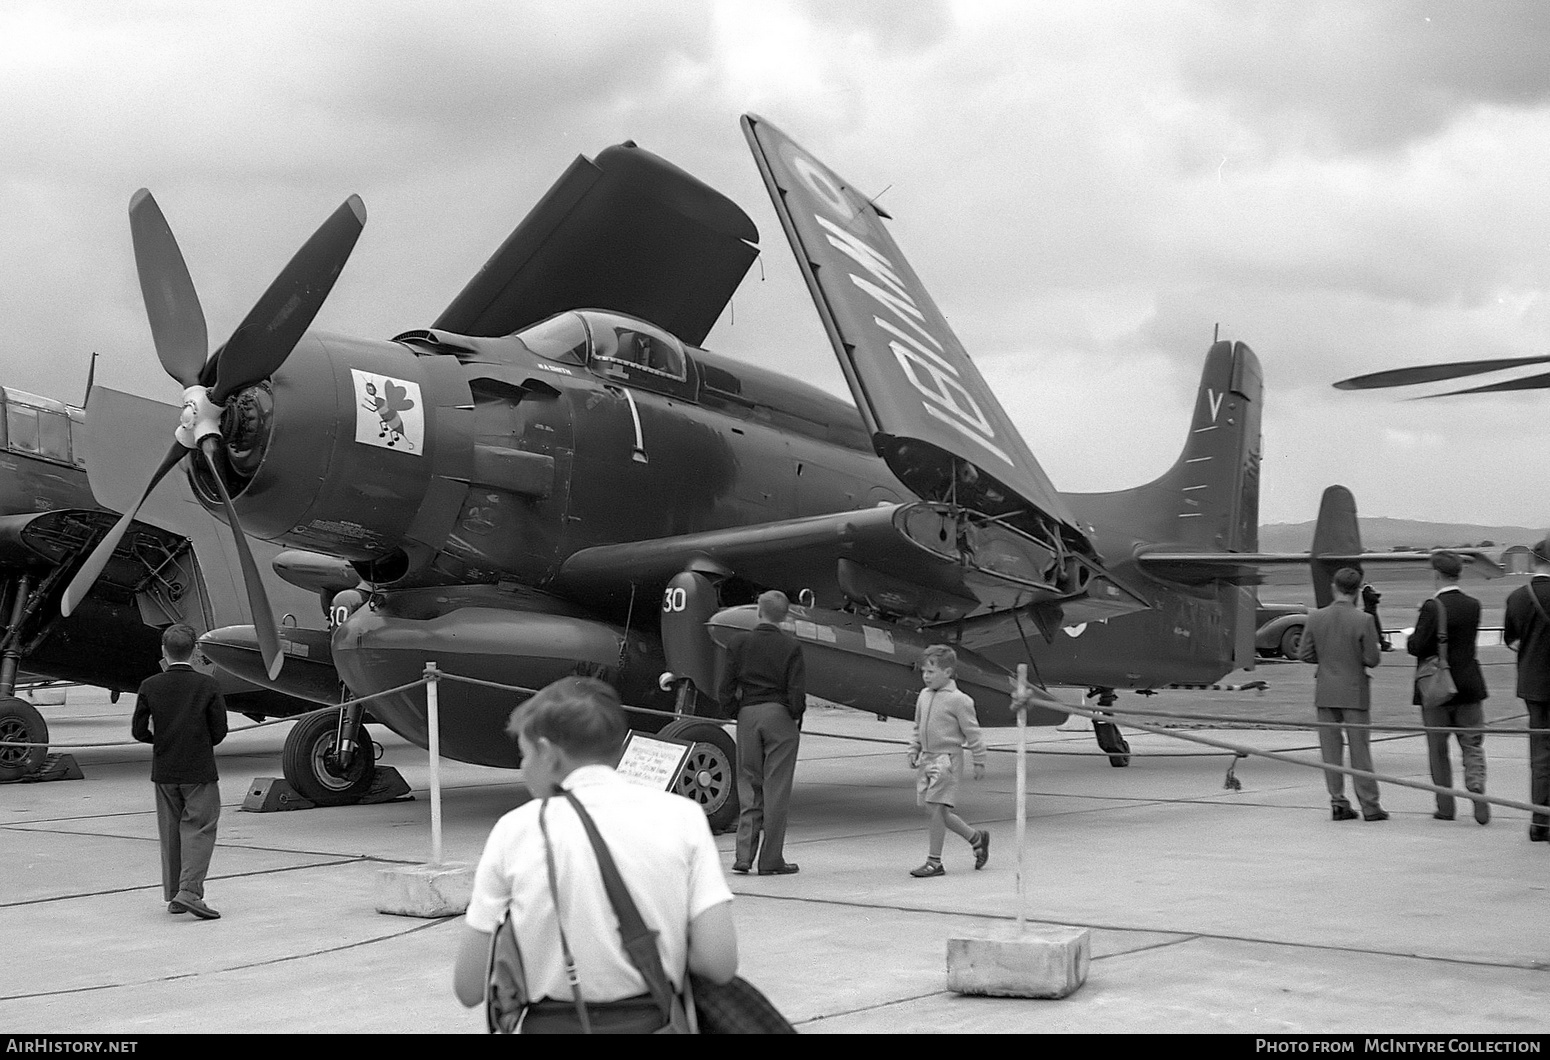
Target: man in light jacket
{"x":1343,"y":640}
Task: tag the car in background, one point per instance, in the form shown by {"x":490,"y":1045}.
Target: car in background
{"x":1279,"y":629}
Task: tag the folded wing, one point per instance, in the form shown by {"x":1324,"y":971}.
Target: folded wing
{"x":930,"y":413}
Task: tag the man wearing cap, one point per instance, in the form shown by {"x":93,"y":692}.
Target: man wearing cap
{"x":1343,"y":640}
{"x":1526,"y":631}
{"x":1460,"y":623}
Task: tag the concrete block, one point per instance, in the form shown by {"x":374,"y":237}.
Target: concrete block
{"x":1039,"y":961}
{"x":430,"y":891}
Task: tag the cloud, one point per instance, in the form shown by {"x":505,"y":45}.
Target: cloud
{"x":1086,"y":190}
{"x":1329,"y":76}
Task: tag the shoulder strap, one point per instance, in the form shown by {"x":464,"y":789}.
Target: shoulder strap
{"x":554,"y":894}
{"x":640,"y":941}
{"x":1442,"y":624}
{"x":1532,"y":595}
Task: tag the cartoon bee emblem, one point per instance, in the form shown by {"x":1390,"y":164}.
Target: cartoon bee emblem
{"x":389,"y":412}
{"x":389,"y":407}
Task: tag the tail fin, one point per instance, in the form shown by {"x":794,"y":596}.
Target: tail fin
{"x":1209,"y":499}
{"x":1208,"y":502}
{"x":1335,"y":534}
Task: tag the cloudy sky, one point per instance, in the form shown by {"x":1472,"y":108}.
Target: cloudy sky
{"x":1087,"y":189}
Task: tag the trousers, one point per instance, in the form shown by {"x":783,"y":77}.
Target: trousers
{"x":186,"y":816}
{"x":1539,"y":757}
{"x":1471,"y":749}
{"x":767,"y":738}
{"x":1332,"y":741}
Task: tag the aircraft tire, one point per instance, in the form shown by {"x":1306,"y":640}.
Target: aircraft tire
{"x":20,"y":721}
{"x":709,"y":777}
{"x":306,"y":765}
{"x":1291,"y":637}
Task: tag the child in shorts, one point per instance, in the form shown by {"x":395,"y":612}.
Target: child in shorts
{"x":945,"y":724}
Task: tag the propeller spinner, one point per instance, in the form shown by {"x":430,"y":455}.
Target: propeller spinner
{"x":255,"y":351}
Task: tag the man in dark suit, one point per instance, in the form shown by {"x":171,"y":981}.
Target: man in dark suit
{"x":1526,"y":631}
{"x":181,"y":714}
{"x":1464,"y":710}
{"x":764,"y":687}
{"x":1343,"y":640}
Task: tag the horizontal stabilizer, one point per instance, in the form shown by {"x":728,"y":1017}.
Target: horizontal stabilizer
{"x":1245,"y":568}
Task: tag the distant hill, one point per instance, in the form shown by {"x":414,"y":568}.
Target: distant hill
{"x":1381,"y":534}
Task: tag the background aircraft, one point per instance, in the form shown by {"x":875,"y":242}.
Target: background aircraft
{"x":49,"y":522}
{"x":554,"y":478}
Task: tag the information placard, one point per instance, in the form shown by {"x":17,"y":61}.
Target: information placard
{"x":652,"y":761}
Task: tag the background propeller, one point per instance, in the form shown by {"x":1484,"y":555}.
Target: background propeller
{"x":1436,"y":373}
{"x":257,"y":349}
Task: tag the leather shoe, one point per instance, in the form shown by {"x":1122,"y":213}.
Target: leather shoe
{"x":1342,"y":813}
{"x":1440,"y":816}
{"x":195,"y":906}
{"x":741,"y":867}
{"x":785,"y":869}
{"x":1538,"y":834}
{"x":173,"y":907}
{"x":1376,"y":815}
{"x":1482,"y":813}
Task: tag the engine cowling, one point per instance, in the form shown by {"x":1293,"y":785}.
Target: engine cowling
{"x":359,"y":449}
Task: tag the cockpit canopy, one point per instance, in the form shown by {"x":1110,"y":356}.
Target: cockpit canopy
{"x":611,"y":345}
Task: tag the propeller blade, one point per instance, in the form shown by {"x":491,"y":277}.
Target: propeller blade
{"x":1433,"y":373}
{"x":258,"y":599}
{"x":1532,"y":382}
{"x":272,"y":327}
{"x":87,"y":576}
{"x":171,"y":304}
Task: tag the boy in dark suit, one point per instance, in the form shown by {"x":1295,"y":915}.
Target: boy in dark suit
{"x":1464,"y":710}
{"x":181,"y":714}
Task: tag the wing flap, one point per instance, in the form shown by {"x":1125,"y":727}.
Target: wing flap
{"x":915,"y":559}
{"x":628,"y":232}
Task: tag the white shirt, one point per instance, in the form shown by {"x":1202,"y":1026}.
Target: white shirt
{"x":664,"y":851}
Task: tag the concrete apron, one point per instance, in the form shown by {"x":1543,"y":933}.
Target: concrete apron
{"x":1209,"y":910}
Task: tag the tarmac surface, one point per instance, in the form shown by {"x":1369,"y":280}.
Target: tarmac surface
{"x":1211,"y":910}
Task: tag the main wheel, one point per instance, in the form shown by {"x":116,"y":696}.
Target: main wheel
{"x":709,"y":775}
{"x":20,"y":722}
{"x":310,"y":767}
{"x":1290,"y":640}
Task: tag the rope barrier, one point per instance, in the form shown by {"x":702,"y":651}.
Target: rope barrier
{"x":241,"y":728}
{"x":1243,"y":751}
{"x":1106,"y":714}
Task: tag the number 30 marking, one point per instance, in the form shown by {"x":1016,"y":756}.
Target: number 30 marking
{"x":674,"y":599}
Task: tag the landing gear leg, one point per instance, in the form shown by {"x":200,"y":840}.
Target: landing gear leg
{"x":19,"y":720}
{"x":1108,"y":734}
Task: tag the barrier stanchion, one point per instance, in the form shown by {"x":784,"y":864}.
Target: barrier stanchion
{"x":1022,"y":789}
{"x":433,"y":726}
{"x":1045,"y":962}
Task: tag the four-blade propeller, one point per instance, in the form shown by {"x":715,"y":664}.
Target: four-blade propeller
{"x":255,"y":351}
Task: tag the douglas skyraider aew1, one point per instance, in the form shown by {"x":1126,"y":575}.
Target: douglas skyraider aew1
{"x":555,"y":478}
